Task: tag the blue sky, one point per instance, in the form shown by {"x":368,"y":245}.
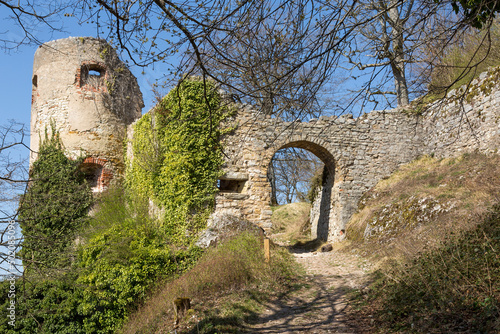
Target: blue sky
{"x":16,"y":68}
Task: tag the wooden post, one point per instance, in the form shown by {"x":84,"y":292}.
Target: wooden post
{"x":267,"y":253}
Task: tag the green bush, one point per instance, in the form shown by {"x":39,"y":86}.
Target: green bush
{"x":43,"y":306}
{"x":123,"y":252}
{"x":123,"y":258}
{"x":53,"y":209}
{"x":111,"y":263}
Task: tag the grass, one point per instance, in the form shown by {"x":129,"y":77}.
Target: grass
{"x":226,"y":287}
{"x":442,"y":274}
{"x":291,"y":223}
{"x":422,"y":202}
{"x":454,"y":288}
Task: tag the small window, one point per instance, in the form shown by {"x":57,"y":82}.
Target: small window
{"x":92,"y":173}
{"x":231,"y":186}
{"x":34,"y":88}
{"x":232,"y":182}
{"x":92,"y":75}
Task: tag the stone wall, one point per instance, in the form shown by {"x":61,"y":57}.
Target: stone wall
{"x":83,"y":89}
{"x":357,"y":152}
{"x":81,"y":86}
{"x":467,"y":120}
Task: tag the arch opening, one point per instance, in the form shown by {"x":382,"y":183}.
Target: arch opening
{"x":92,"y":76}
{"x":302,"y":171}
{"x":93,"y":174}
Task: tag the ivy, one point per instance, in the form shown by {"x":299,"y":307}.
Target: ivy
{"x":177,"y":157}
{"x":54,"y":207}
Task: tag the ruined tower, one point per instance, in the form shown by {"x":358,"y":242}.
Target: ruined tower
{"x":83,"y":88}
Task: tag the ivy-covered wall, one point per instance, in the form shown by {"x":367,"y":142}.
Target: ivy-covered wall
{"x":98,"y":272}
{"x":176,"y":156}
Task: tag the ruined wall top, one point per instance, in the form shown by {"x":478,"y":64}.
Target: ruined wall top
{"x":82,"y":87}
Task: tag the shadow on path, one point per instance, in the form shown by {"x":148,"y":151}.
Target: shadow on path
{"x":314,"y":309}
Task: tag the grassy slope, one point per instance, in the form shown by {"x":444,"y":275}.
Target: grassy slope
{"x":291,"y":223}
{"x":226,"y":288}
{"x":434,"y":230}
{"x":428,"y":216}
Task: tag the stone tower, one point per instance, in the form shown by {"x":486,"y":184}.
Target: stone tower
{"x":83,"y":88}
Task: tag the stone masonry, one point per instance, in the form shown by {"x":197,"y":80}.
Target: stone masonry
{"x":82,"y":86}
{"x":357,"y":152}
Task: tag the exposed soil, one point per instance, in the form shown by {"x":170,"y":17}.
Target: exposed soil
{"x":320,"y":306}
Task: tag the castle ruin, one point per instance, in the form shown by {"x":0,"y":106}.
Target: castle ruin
{"x":82,"y":86}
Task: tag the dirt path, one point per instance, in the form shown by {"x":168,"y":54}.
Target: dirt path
{"x":319,"y":306}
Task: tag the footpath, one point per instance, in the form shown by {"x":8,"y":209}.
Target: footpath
{"x":319,"y":306}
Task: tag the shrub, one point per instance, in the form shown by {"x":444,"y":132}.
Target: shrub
{"x":53,"y":209}
{"x":451,"y":288}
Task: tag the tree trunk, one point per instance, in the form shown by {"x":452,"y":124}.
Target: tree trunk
{"x":397,"y":59}
{"x":272,"y":181}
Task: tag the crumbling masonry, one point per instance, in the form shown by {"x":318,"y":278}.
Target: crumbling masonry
{"x":81,"y":85}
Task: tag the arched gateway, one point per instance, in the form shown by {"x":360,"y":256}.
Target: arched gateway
{"x":356,"y":153}
{"x":82,"y":86}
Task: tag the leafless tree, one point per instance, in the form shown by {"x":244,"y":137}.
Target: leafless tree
{"x":278,"y":55}
{"x":273,"y":54}
{"x":394,"y":40}
{"x":290,"y":171}
{"x":281,"y":55}
{"x":13,"y":180}
{"x":27,"y":18}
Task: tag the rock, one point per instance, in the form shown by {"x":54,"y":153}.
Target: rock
{"x":326,"y":248}
{"x":223,"y":226}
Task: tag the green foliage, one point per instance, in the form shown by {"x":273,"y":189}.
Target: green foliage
{"x":123,"y":252}
{"x":177,"y":157}
{"x":123,"y":258}
{"x":54,"y":207}
{"x":227,"y":278}
{"x":455,"y":286}
{"x":48,"y":306}
{"x":477,"y":12}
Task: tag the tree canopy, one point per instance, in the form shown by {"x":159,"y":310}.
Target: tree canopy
{"x":281,"y":56}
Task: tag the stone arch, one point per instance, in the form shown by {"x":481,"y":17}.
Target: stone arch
{"x":96,"y":173}
{"x":322,"y":206}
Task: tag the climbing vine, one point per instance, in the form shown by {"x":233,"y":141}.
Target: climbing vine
{"x":54,"y":207}
{"x":124,"y":251}
{"x":177,"y":157}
